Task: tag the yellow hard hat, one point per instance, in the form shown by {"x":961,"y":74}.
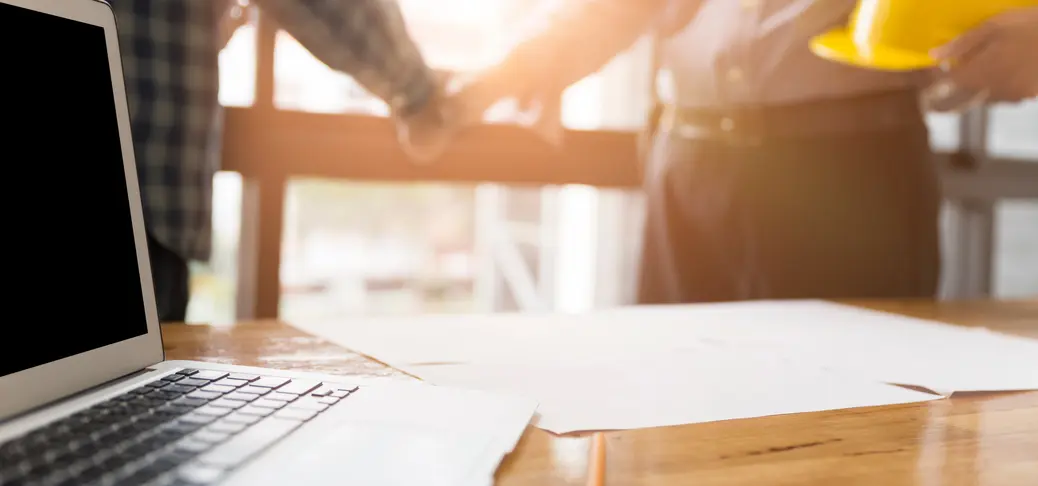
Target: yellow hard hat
{"x":897,"y":35}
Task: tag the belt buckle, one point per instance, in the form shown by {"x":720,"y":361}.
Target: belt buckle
{"x":742,"y":126}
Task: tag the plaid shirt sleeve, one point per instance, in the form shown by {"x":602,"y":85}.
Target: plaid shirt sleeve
{"x":366,"y":39}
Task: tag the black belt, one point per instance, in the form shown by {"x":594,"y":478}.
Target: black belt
{"x":753,"y":125}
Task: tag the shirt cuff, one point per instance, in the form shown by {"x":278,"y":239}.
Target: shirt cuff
{"x":414,"y":93}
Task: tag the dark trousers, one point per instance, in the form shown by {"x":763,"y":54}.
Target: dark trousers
{"x":845,"y":215}
{"x":171,"y":279}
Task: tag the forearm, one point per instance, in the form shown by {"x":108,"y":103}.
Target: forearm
{"x":366,"y":39}
{"x":578,"y":37}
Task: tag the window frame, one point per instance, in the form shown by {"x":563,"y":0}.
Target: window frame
{"x":267,"y":146}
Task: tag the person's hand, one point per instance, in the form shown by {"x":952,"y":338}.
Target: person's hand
{"x":234,"y":17}
{"x":539,"y":108}
{"x":997,"y":57}
{"x":425,"y":135}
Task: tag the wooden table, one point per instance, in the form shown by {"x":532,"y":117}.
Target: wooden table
{"x":980,"y":439}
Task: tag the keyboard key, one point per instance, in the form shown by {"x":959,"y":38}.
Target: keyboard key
{"x":193,"y":381}
{"x":205,"y":395}
{"x":339,"y":393}
{"x":196,"y":419}
{"x":157,"y":384}
{"x":243,"y":376}
{"x":270,"y":382}
{"x":322,"y":391}
{"x":180,"y":387}
{"x":165,"y":394}
{"x":225,"y":403}
{"x":281,"y":397}
{"x":194,"y":446}
{"x":150,"y":400}
{"x":259,"y":411}
{"x":213,"y":411}
{"x":173,"y":378}
{"x":187,"y":372}
{"x":328,"y":400}
{"x":209,"y":375}
{"x":309,"y":403}
{"x":264,"y":403}
{"x":232,"y":382}
{"x":189,"y":401}
{"x":210,"y":436}
{"x":218,"y":388}
{"x":250,"y":442}
{"x":343,"y":386}
{"x":296,"y":414}
{"x":198,"y":474}
{"x":254,"y":390}
{"x":246,"y":418}
{"x":225,"y":427}
{"x":299,"y":387}
{"x":240,"y":397}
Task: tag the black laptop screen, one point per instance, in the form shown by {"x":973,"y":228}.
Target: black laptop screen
{"x":69,"y":261}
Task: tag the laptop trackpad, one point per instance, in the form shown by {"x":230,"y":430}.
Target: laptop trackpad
{"x":397,"y":435}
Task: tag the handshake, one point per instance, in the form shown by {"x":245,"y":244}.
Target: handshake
{"x":462,"y":101}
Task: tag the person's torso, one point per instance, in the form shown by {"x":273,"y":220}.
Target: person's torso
{"x":755,"y":52}
{"x":170,"y":52}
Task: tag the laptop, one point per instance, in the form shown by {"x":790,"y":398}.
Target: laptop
{"x":86,"y":396}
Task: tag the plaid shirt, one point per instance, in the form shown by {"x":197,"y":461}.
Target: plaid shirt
{"x":170,"y":54}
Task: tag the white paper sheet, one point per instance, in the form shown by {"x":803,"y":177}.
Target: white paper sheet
{"x":704,"y":385}
{"x":401,"y":434}
{"x":495,"y":338}
{"x":873,"y":345}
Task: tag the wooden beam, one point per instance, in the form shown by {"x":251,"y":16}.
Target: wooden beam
{"x":364,"y":148}
{"x":280,"y":143}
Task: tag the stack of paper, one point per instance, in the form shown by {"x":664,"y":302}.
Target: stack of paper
{"x":872,"y":344}
{"x":669,"y":389}
{"x":651,"y":366}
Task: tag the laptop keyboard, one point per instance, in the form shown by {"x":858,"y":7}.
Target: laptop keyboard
{"x":189,"y":428}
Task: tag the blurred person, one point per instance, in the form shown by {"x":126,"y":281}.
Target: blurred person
{"x":773,"y":173}
{"x":170,"y":52}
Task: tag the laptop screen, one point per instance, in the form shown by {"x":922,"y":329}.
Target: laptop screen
{"x":70,"y":264}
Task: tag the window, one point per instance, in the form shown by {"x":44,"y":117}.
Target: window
{"x":358,"y":246}
{"x":1013,"y":130}
{"x":1014,"y":133}
{"x":1016,"y":249}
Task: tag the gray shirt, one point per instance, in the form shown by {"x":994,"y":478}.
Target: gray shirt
{"x":732,"y":52}
{"x":737,"y":52}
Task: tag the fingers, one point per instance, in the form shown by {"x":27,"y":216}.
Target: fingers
{"x":543,"y":115}
{"x":478,"y":94}
{"x":423,"y":143}
{"x":467,"y":98}
{"x":974,"y":70}
{"x":967,"y":43}
{"x":549,"y":126}
{"x":426,"y":135}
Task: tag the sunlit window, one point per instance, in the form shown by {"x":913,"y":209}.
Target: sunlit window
{"x":361,"y":247}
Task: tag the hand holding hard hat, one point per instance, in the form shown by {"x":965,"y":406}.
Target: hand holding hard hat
{"x":984,"y":47}
{"x":1000,"y":56}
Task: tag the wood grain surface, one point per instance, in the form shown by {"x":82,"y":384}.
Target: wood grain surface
{"x":978,"y":439}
